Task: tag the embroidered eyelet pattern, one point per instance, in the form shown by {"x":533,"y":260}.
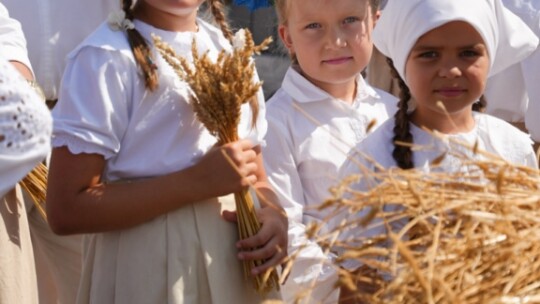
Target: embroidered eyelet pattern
{"x":25,"y":121}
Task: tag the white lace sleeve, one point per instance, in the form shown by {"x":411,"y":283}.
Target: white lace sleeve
{"x":25,"y":128}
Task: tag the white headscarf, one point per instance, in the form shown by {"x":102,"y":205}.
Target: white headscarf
{"x":507,"y":38}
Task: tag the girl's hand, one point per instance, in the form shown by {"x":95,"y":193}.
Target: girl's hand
{"x":270,"y":242}
{"x":228,"y":168}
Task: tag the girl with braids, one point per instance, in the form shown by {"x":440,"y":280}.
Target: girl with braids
{"x":136,"y":172}
{"x":323,"y":107}
{"x":442,"y":52}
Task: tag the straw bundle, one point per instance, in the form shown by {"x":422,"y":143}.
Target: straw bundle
{"x":35,"y":184}
{"x":471,"y":236}
{"x":218,"y":90}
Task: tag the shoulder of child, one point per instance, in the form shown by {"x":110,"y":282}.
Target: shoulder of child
{"x":508,"y":141}
{"x":215,"y":34}
{"x":377,"y":145}
{"x":105,"y":38}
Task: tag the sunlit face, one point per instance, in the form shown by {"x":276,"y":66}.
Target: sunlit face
{"x":175,"y":15}
{"x":330,"y":38}
{"x":449,"y":64}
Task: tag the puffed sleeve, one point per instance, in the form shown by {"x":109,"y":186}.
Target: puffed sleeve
{"x":93,"y":109}
{"x":25,"y":128}
{"x":12,"y":40}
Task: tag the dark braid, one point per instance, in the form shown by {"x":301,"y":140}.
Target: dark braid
{"x":141,"y":50}
{"x":402,"y":129}
{"x":480,"y":105}
{"x":216,"y":7}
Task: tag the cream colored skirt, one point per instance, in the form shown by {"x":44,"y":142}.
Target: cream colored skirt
{"x":17,"y":269}
{"x":186,"y":256}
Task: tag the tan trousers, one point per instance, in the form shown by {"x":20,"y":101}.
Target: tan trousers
{"x":17,"y":269}
{"x":58,"y":260}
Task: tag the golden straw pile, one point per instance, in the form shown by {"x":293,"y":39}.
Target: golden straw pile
{"x":463,"y":237}
{"x":35,"y":184}
{"x":219,"y":88}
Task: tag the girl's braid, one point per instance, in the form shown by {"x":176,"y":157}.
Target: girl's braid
{"x":216,"y":7}
{"x":402,"y":154}
{"x":141,"y":50}
{"x":480,"y":105}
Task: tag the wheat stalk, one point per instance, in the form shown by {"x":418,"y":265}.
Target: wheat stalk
{"x":452,"y":237}
{"x":218,"y":90}
{"x":35,"y":184}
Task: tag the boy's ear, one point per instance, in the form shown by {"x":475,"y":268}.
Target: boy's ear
{"x":285,"y":36}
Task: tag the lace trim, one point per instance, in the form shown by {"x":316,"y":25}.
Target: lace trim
{"x":77,"y":146}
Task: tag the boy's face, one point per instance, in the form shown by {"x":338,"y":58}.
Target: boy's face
{"x":448,"y":64}
{"x":331,"y":39}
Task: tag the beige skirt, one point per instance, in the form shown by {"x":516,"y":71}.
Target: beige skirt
{"x":17,"y":269}
{"x":186,"y":256}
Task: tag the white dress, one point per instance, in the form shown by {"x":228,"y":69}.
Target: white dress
{"x":25,"y":130}
{"x":309,"y":136}
{"x":185,"y":256}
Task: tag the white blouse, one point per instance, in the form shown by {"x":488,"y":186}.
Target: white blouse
{"x":104,"y":107}
{"x":53,"y":28}
{"x":308,"y":138}
{"x":25,"y":127}
{"x":493,"y":135}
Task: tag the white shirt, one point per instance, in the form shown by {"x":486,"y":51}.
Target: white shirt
{"x":104,"y":107}
{"x":12,"y":39}
{"x":302,"y":158}
{"x":25,"y":127}
{"x":53,"y":28}
{"x":514,"y":94}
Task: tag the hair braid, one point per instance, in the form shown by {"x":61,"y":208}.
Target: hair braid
{"x":480,"y":105}
{"x":402,"y":154}
{"x":216,"y":7}
{"x":141,"y":50}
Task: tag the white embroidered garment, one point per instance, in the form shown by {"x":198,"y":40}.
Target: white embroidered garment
{"x":53,"y":28}
{"x":185,"y":256}
{"x":309,"y":136}
{"x":25,"y":130}
{"x":507,"y":38}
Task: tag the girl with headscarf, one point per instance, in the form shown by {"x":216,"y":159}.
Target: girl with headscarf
{"x":442,"y":52}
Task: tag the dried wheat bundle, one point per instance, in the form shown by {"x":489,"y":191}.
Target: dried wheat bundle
{"x":35,"y":184}
{"x":219,"y":88}
{"x":471,"y":236}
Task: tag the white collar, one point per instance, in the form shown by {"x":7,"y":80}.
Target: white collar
{"x":302,"y":90}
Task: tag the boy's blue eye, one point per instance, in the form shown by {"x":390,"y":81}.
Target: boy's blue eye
{"x":350,"y":20}
{"x":313,"y":26}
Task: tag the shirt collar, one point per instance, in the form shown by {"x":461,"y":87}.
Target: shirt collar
{"x":302,"y":90}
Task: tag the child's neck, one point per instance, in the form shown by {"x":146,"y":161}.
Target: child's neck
{"x":343,"y":91}
{"x":460,"y":122}
{"x":166,"y":21}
